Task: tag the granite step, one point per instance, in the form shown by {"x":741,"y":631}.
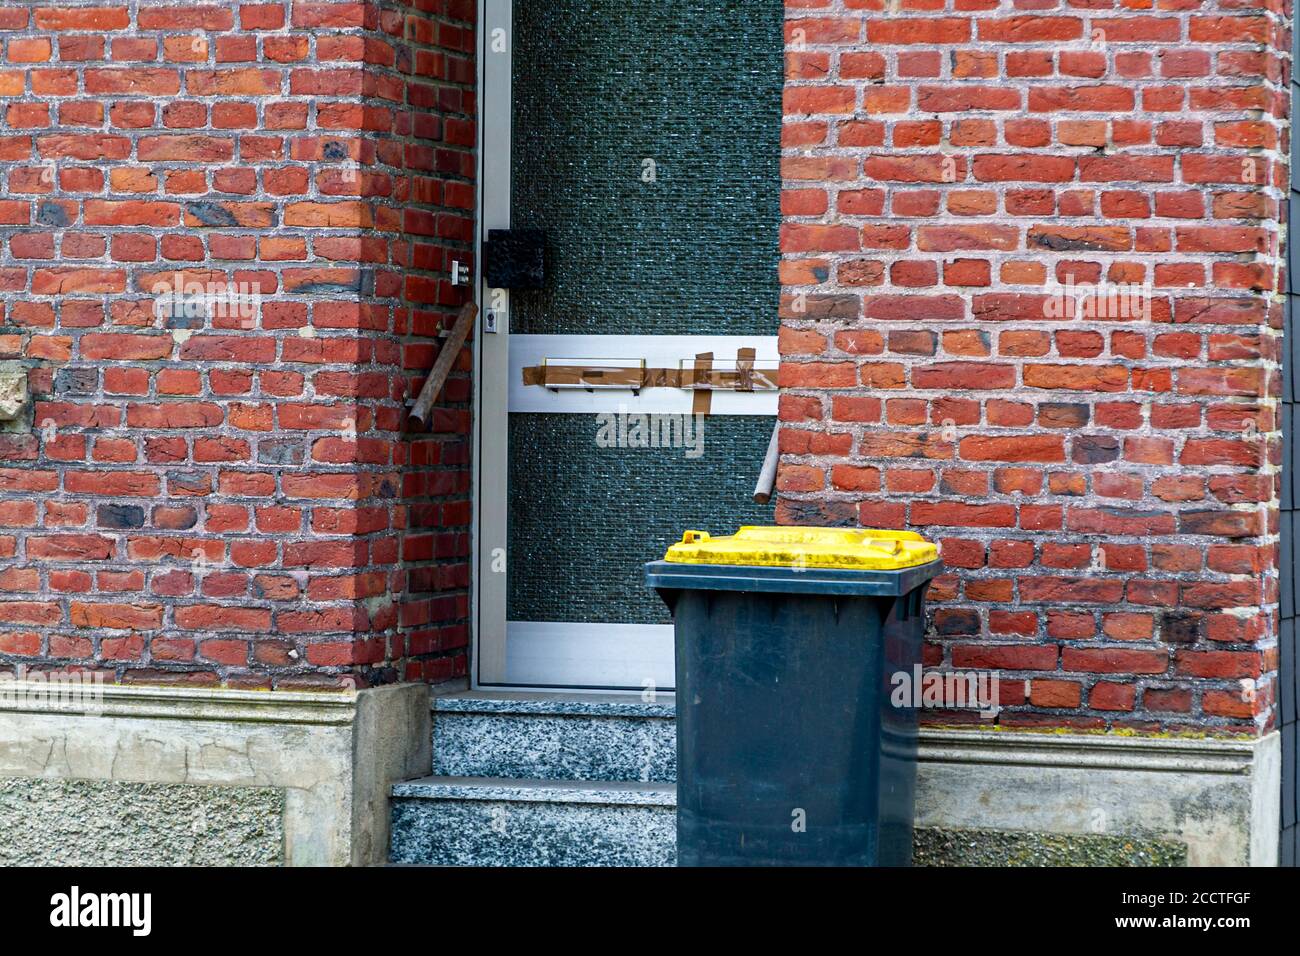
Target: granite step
{"x":480,"y":821}
{"x":550,"y":736}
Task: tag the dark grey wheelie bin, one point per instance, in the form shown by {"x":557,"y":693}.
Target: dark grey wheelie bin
{"x":789,"y":750}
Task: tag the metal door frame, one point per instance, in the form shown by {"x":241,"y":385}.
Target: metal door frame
{"x":491,"y":353}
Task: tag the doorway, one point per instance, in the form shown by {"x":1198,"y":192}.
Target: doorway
{"x":630,"y":207}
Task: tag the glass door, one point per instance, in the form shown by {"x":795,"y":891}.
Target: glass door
{"x":629,"y":393}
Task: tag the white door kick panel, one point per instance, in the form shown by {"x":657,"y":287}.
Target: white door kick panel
{"x":658,"y":351}
{"x":634,"y":656}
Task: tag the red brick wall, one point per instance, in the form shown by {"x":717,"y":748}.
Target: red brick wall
{"x":1103,"y":487}
{"x":439,"y":227}
{"x":228,"y":498}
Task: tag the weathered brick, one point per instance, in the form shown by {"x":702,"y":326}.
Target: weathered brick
{"x":992,"y":176}
{"x":156,"y":431}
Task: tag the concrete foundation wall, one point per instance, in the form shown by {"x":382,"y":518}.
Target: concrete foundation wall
{"x":174,"y":776}
{"x":1220,"y":798}
{"x":186,"y":776}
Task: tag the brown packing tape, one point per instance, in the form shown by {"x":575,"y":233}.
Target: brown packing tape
{"x":665,"y":378}
{"x":702,"y":403}
{"x":745,"y":370}
{"x":576,"y":375}
{"x":740,"y":379}
{"x":736,"y":380}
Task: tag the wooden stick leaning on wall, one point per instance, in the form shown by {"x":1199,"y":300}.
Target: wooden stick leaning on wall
{"x":423,"y":407}
{"x":767,"y":475}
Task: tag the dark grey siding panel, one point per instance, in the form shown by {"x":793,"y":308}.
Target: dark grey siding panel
{"x":1286,"y":492}
{"x":1290,"y":348}
{"x":1286,"y":587}
{"x":1287,"y":676}
{"x":1288,"y":777}
{"x":1287,"y":342}
{"x":1293,"y":251}
{"x":1290,"y":411}
{"x":1294,"y":147}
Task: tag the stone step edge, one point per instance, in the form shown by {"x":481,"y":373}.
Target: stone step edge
{"x":538,"y":704}
{"x":502,"y":790}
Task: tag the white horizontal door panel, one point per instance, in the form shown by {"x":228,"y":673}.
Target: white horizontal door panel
{"x":658,"y":351}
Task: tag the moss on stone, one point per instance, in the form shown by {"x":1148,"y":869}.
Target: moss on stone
{"x":112,"y":823}
{"x":977,"y":847}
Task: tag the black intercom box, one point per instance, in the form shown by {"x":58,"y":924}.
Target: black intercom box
{"x":515,"y":258}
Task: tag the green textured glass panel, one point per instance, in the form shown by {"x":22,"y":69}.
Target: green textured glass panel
{"x":584,"y":519}
{"x":602,"y":87}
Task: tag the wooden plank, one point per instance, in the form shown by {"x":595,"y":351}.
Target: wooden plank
{"x":423,"y":407}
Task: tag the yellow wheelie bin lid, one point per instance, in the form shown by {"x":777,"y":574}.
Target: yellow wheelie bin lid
{"x":848,"y":549}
